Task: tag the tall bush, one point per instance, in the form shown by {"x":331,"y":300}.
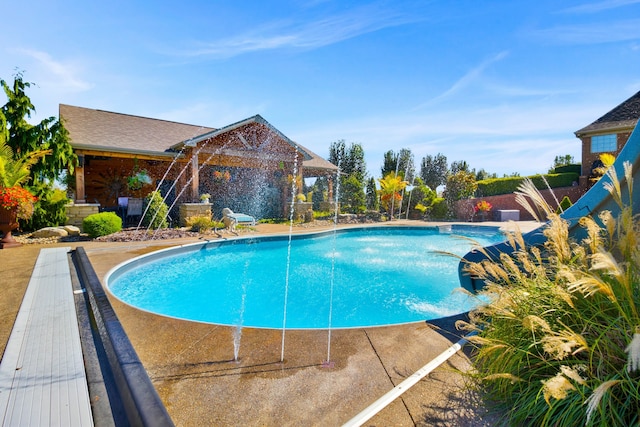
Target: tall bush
{"x":559,"y":342}
{"x":156,"y":212}
{"x":49,"y":210}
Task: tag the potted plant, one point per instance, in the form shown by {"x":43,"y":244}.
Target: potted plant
{"x":482,"y":209}
{"x":15,"y":202}
{"x":204,"y":198}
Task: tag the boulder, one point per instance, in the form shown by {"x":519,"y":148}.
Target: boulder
{"x":72,"y":230}
{"x":50,"y":232}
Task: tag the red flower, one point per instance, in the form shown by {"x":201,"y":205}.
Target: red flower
{"x":482,"y":206}
{"x":17,"y":197}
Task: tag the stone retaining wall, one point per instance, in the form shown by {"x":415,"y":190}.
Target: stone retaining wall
{"x":187,"y":210}
{"x":76,"y":213}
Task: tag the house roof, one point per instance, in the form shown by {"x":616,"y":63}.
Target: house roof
{"x":107,"y":131}
{"x":623,"y":117}
{"x":100,"y":130}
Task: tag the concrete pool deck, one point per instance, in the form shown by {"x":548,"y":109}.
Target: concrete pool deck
{"x":191,"y":364}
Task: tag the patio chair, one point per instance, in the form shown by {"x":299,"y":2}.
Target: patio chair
{"x":134,"y":210}
{"x":231,"y":219}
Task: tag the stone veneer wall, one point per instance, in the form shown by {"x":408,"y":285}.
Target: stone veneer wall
{"x":76,"y":213}
{"x":188,"y":210}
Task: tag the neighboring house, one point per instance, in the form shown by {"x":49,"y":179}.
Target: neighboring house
{"x":247,"y":166}
{"x":608,"y":134}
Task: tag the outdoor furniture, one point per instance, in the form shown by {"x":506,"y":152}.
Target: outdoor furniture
{"x":134,"y":210}
{"x":231,"y":219}
{"x":508,"y":215}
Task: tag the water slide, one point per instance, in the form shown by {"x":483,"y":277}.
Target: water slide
{"x":594,"y":201}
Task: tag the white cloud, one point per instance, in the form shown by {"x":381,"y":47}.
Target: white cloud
{"x":321,"y":32}
{"x":601,"y":32}
{"x":600,"y":6}
{"x":63,"y":75}
{"x":465,"y":80}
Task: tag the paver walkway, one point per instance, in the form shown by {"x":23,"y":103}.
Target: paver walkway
{"x":42,"y":376}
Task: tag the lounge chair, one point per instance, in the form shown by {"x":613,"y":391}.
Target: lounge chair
{"x":232,"y":219}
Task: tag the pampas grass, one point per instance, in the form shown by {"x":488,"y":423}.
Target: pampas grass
{"x":559,"y":342}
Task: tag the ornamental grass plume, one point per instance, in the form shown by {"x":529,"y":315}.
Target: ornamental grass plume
{"x":559,"y":340}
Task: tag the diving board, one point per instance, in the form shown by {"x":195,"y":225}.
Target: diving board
{"x":42,"y":375}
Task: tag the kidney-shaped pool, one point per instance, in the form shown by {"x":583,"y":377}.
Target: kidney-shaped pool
{"x":346,"y":278}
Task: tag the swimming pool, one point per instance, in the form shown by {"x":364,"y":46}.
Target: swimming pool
{"x":351,"y":278}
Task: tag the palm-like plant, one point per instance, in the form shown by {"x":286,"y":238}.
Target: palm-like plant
{"x":15,"y":172}
{"x":390,"y":188}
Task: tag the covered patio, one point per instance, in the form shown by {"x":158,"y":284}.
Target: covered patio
{"x":247,"y":166}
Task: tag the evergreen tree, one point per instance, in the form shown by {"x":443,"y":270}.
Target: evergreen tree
{"x":459,"y":165}
{"x":401,"y":163}
{"x":389,"y":163}
{"x":25,"y":139}
{"x":372,"y":200}
{"x":353,"y":171}
{"x":434,"y":170}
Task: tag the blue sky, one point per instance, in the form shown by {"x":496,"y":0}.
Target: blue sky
{"x":500,"y":84}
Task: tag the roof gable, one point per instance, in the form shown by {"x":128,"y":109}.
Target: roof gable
{"x":623,"y":116}
{"x":100,"y":130}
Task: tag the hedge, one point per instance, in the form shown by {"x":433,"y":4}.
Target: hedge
{"x":496,"y":186}
{"x":569,"y":169}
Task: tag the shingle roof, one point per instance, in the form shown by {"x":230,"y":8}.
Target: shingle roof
{"x":101,"y":130}
{"x":623,"y":116}
{"x":105,"y":130}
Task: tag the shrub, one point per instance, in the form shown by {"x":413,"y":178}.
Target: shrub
{"x":438,"y":209}
{"x":574,"y":168}
{"x":559,"y":342}
{"x":157,"y":211}
{"x":48,"y":210}
{"x":201,"y":224}
{"x":308,"y":215}
{"x":101,"y":224}
{"x":418,"y":199}
{"x":565,"y":204}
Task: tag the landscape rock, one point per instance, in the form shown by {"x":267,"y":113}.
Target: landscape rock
{"x":71,"y":230}
{"x":50,"y":232}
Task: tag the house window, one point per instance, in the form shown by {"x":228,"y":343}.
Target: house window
{"x":604,"y":143}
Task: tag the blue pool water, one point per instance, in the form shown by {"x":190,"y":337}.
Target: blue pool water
{"x":380,"y":276}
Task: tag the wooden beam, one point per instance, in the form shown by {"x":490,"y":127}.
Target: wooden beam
{"x":80,"y":190}
{"x":120,"y":155}
{"x":195,"y":182}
